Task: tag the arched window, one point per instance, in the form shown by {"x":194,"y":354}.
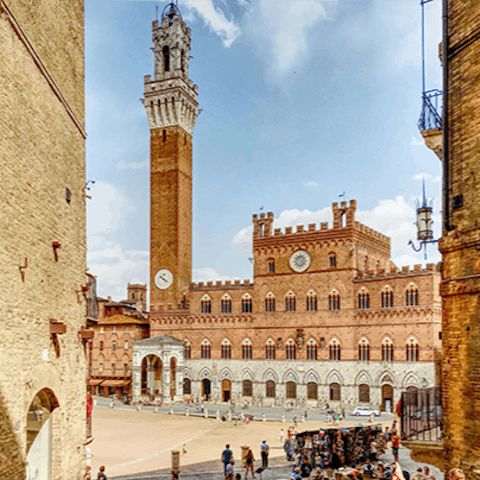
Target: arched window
{"x":291,"y":350}
{"x":206,"y":304}
{"x":247,"y":349}
{"x":291,"y":390}
{"x":363,"y":300}
{"x":290,"y":302}
{"x":387,"y":350}
{"x":101,"y":345}
{"x":226,"y":349}
{"x":335,"y":392}
{"x":364,"y":393}
{"x":247,"y":388}
{"x":114,"y":345}
{"x":187,"y":351}
{"x":270,"y":389}
{"x":387,"y":297}
{"x":412,"y":350}
{"x":166,"y":58}
{"x":270,"y":350}
{"x":335,"y":350}
{"x":332,"y":258}
{"x":411,"y":296}
{"x":311,"y":301}
{"x":312,"y":391}
{"x":205,"y":349}
{"x":246,"y":303}
{"x":334,"y":300}
{"x":270,"y":303}
{"x":187,"y":386}
{"x":226,"y":304}
{"x":311,"y":350}
{"x":364,"y":350}
{"x":271,"y":266}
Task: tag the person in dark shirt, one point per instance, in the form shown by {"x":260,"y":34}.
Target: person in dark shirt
{"x":227,"y":457}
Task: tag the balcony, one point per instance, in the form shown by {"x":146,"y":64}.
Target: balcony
{"x":430,"y":121}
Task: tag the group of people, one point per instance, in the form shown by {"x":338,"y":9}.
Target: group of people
{"x":229,"y":462}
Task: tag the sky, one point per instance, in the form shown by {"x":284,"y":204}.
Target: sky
{"x":302,"y":101}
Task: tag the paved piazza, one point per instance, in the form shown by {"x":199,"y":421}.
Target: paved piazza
{"x":130,"y":442}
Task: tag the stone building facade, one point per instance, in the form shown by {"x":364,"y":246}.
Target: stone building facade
{"x":42,"y":240}
{"x":328,"y":316}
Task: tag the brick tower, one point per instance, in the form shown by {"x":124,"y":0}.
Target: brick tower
{"x":171,"y":104}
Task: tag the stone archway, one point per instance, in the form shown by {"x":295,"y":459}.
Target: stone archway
{"x":226,"y":390}
{"x":151,"y":375}
{"x":39,"y":435}
{"x":206,"y":388}
{"x":387,"y":397}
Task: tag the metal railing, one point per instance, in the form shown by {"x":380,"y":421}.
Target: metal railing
{"x":422,"y":415}
{"x":431,"y":115}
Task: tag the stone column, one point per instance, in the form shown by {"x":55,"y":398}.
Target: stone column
{"x":179,"y":387}
{"x":166,"y":382}
{"x":136,"y":382}
{"x":151,"y":379}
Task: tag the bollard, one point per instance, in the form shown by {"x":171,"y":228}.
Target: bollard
{"x":245,"y":449}
{"x":264,"y":417}
{"x":206,"y":413}
{"x":229,"y":415}
{"x":176,"y":461}
{"x":187,"y":412}
{"x":155,"y":409}
{"x":283,"y":417}
{"x":112,"y":404}
{"x":303,"y":418}
{"x":218,"y":415}
{"x":94,"y":402}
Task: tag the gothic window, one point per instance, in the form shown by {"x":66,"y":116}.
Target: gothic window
{"x":290,"y":302}
{"x":291,"y":390}
{"x":270,"y":389}
{"x":205,"y":349}
{"x":335,"y":392}
{"x":247,"y":350}
{"x":412,"y":350}
{"x":334,"y":300}
{"x":387,"y":297}
{"x":100,"y":368}
{"x":271,"y":266}
{"x":311,"y":350}
{"x":187,"y":351}
{"x":411,"y":296}
{"x":246,"y":303}
{"x":125,"y":368}
{"x":311,"y":301}
{"x":333,"y":260}
{"x":226,"y":304}
{"x":335,"y":350}
{"x":101,"y":345}
{"x":364,"y":351}
{"x":114,"y":345}
{"x":226,"y":349}
{"x":166,"y":58}
{"x":270,"y":303}
{"x":206,"y":304}
{"x":187,"y":386}
{"x":312,"y":391}
{"x":291,"y":350}
{"x":125,"y":347}
{"x":364,"y":393}
{"x":387,"y":350}
{"x":363,"y":301}
{"x":270,"y":350}
{"x":247,"y":388}
{"x":114,"y":329}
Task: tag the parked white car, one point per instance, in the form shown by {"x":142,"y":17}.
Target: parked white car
{"x":365,"y":411}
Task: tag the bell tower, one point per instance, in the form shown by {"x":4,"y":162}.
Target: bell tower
{"x":170,"y":101}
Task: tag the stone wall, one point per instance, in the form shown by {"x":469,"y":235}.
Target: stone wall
{"x":43,"y":154}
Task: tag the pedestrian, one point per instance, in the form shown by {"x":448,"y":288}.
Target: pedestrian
{"x":227,"y":457}
{"x":229,"y":471}
{"x":395,"y":444}
{"x":265,"y":449}
{"x":249,"y":459}
{"x":238,"y":476}
{"x":296,"y":474}
{"x":184,"y":448}
{"x":101,"y":474}
{"x":174,"y":476}
{"x":419,"y":474}
{"x":428,"y":475}
{"x":281,"y":435}
{"x":88,"y":473}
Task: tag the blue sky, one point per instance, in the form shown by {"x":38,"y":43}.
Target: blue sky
{"x":301,"y":100}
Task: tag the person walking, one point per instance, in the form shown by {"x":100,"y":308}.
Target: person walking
{"x":265,"y":449}
{"x":101,"y":474}
{"x":395,"y":444}
{"x":229,"y":471}
{"x":249,"y":459}
{"x":227,"y":458}
{"x":281,"y":436}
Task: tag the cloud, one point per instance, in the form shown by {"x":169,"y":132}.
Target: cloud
{"x":311,"y":184}
{"x":283,"y":28}
{"x":106,"y":208}
{"x":394,"y":218}
{"x":115,"y":268}
{"x":416,"y":142}
{"x":206,"y":274}
{"x":427,"y":176}
{"x":215,"y":19}
{"x":122,"y":165}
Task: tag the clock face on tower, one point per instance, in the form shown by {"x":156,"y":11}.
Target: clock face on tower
{"x":300,"y":261}
{"x":163,"y":278}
